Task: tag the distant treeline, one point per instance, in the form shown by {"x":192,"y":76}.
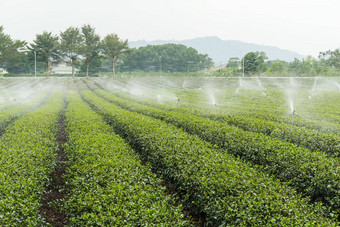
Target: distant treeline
{"x":166,"y":57}
{"x":84,"y":49}
{"x":256,"y":63}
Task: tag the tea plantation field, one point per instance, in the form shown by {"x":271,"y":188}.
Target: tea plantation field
{"x":170,"y":151}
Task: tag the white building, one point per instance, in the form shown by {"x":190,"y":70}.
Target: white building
{"x":63,"y":69}
{"x":3,"y":71}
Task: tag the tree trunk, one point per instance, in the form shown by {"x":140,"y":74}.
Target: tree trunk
{"x":47,"y":68}
{"x":87,"y":70}
{"x":88,"y":61}
{"x":72,"y":69}
{"x":113,"y":69}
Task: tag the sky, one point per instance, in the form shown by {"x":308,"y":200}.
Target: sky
{"x":303,"y":26}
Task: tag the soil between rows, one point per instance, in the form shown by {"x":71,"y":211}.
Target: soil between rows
{"x":55,"y":192}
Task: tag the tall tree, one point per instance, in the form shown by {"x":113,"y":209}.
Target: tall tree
{"x":71,"y":45}
{"x":254,"y":62}
{"x":46,"y":47}
{"x":9,"y":49}
{"x":233,"y":62}
{"x":294,"y":67}
{"x":250,"y":63}
{"x":114,"y":48}
{"x":277,"y":67}
{"x":166,"y":57}
{"x":332,"y":57}
{"x":91,"y":45}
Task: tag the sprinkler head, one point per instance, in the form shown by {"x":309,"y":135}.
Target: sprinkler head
{"x":178,"y":100}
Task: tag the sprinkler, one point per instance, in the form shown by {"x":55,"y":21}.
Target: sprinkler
{"x":215,"y":106}
{"x":314,"y":86}
{"x":291,"y":127}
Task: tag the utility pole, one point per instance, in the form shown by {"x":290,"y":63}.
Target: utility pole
{"x":243,"y":66}
{"x":35,"y":64}
{"x":160,"y":63}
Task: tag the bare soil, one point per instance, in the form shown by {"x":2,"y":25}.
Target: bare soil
{"x":55,"y":192}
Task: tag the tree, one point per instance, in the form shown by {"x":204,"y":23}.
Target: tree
{"x":277,"y":67}
{"x":91,"y":45}
{"x":250,"y":63}
{"x":114,"y":48}
{"x":96,"y":65}
{"x":294,"y":67}
{"x":234,"y":62}
{"x":308,"y":66}
{"x":166,"y":57}
{"x":46,"y":47}
{"x":71,"y":44}
{"x":332,"y":57}
{"x":5,"y":45}
{"x":10,"y":50}
{"x":254,"y":62}
{"x":22,"y":63}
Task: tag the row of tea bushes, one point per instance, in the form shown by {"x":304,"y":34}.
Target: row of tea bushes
{"x":321,"y":106}
{"x":263,"y":109}
{"x":27,"y":157}
{"x":108,"y":185}
{"x":226,"y":190}
{"x":311,"y":139}
{"x":313,"y":173}
{"x":251,"y":110}
{"x":9,"y":114}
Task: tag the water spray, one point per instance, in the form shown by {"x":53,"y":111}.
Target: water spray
{"x":314,"y":86}
{"x":291,"y":127}
{"x":338,"y":85}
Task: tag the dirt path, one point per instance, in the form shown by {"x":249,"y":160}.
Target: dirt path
{"x":55,"y":191}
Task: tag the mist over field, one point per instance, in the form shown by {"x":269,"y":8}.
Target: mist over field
{"x":94,"y":138}
{"x":170,"y":113}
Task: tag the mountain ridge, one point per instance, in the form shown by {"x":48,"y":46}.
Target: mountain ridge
{"x":221,"y":50}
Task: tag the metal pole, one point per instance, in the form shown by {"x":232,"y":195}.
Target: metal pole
{"x":35,"y":64}
{"x":291,"y":127}
{"x":243,"y":67}
{"x":160,"y":63}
